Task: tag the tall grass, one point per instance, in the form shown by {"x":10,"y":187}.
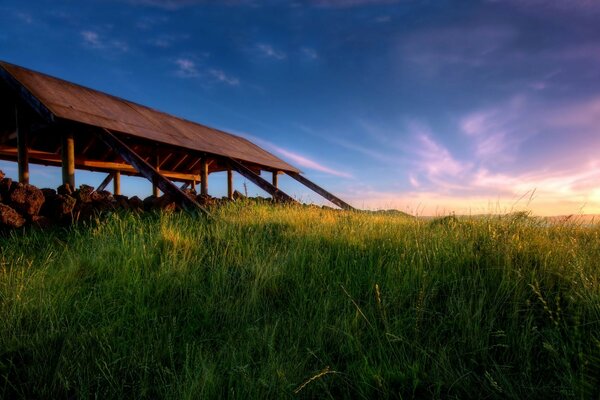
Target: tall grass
{"x":278,"y":302}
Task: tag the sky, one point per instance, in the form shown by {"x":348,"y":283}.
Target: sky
{"x":426,"y":106}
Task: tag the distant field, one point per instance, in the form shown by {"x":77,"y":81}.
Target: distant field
{"x":277,"y":302}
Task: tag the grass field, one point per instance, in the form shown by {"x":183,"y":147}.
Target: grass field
{"x":278,"y":302}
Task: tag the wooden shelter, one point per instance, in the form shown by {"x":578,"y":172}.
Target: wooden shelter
{"x":49,"y":121}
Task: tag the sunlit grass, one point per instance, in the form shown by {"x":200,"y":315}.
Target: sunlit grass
{"x":276,"y":302}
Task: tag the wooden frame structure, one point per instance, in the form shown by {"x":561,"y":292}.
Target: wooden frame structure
{"x":49,"y":121}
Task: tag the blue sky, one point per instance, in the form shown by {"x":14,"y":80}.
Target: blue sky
{"x":428,"y":106}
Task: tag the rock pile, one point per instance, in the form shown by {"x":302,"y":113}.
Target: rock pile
{"x":24,"y":204}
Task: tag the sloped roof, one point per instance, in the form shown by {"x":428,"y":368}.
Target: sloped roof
{"x":77,"y":103}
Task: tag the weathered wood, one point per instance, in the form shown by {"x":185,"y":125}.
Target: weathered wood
{"x":275,"y":178}
{"x":277,"y":194}
{"x":117,"y":183}
{"x":229,"y":183}
{"x":105,"y":182}
{"x":203,"y":177}
{"x":185,"y":186}
{"x":68,"y":159}
{"x":53,"y":159}
{"x":22,"y":148}
{"x":148,"y":171}
{"x":155,"y":191}
{"x":26,"y":96}
{"x":318,"y":189}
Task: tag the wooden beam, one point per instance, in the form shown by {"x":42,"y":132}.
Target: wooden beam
{"x":316,"y":188}
{"x":185,"y":186}
{"x":105,"y":182}
{"x":275,"y":180}
{"x":277,"y":194}
{"x":48,"y":158}
{"x":68,"y":159}
{"x":203,"y":177}
{"x":229,"y":183}
{"x":148,"y":171}
{"x":155,"y":191}
{"x":22,"y":149}
{"x":117,"y":183}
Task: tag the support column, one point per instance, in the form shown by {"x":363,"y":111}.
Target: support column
{"x":155,"y":191}
{"x":275,"y":179}
{"x":22,"y":150}
{"x":117,"y":182}
{"x":203,"y":177}
{"x":194,"y":185}
{"x":229,"y":183}
{"x":68,"y":159}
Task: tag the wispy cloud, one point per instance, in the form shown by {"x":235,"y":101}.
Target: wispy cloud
{"x":92,"y":39}
{"x":309,"y":53}
{"x":306,"y":162}
{"x":267,"y":50}
{"x":24,"y":17}
{"x":496,"y":130}
{"x":223,"y":77}
{"x":296,"y":159}
{"x":351,"y":3}
{"x":172,"y":5}
{"x":186,"y":68}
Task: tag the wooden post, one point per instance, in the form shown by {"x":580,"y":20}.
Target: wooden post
{"x":275,"y":180}
{"x":194,"y":185}
{"x":68,"y":159}
{"x":229,"y":183}
{"x":203,"y":177}
{"x":117,"y":183}
{"x":22,"y":151}
{"x":155,"y":191}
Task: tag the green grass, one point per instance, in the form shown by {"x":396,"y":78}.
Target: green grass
{"x":276,"y":302}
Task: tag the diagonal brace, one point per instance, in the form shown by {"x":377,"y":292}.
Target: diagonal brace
{"x":148,"y":171}
{"x":318,"y":189}
{"x":277,"y":194}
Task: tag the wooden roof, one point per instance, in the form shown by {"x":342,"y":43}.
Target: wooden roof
{"x":77,"y":103}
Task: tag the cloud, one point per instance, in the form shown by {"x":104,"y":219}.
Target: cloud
{"x":173,"y":5}
{"x":167,"y":40}
{"x":296,"y":159}
{"x":93,"y":40}
{"x":222,"y":77}
{"x":268,"y":51}
{"x":309,"y":53}
{"x":306,"y":162}
{"x":186,"y":68}
{"x":351,"y":3}
{"x":436,"y":50}
{"x":496,"y":130}
{"x":24,"y":17}
{"x":554,"y":6}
